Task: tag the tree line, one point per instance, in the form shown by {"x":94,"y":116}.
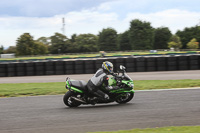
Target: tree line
{"x":140,"y":36}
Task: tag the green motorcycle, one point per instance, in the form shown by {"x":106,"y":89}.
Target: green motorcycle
{"x":77,"y":93}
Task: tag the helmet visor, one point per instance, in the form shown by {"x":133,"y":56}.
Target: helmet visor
{"x":109,"y":66}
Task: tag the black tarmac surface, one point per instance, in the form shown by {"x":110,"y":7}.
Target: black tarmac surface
{"x":148,"y":109}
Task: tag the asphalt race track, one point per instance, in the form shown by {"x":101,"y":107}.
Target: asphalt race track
{"x":148,"y":109}
{"x":163,"y":75}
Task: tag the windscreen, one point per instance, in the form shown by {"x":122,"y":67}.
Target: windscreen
{"x":127,"y":77}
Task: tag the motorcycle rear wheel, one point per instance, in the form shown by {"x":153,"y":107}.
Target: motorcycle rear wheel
{"x":126,"y":97}
{"x":70,"y":102}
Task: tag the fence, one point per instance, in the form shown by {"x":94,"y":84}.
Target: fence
{"x":89,"y":66}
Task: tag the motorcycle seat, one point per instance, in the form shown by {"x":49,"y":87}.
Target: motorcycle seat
{"x":79,"y":84}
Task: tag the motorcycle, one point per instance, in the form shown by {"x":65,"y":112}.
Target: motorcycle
{"x":77,"y":93}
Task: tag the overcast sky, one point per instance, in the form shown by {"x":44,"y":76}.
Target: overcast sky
{"x":44,"y":17}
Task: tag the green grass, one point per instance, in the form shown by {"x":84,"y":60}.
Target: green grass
{"x":94,"y":55}
{"x":185,"y":129}
{"x":165,"y":84}
{"x":34,"y":89}
{"x":31,"y":89}
{"x":54,"y":57}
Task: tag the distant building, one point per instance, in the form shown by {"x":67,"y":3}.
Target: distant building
{"x":7,"y":56}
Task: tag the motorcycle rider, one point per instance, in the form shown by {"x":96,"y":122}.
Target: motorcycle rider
{"x":100,"y":78}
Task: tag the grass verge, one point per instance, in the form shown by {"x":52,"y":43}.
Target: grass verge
{"x":97,"y":55}
{"x":184,"y":129}
{"x":34,"y":89}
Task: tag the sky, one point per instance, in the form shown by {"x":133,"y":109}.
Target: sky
{"x":44,"y":17}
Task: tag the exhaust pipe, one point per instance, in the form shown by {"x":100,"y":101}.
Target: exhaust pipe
{"x":77,"y":99}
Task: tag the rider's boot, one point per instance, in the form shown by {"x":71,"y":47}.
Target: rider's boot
{"x":93,"y":100}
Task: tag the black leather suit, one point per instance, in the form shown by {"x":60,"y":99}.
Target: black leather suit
{"x":96,"y":82}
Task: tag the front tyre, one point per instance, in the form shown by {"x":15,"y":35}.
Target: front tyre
{"x":125,"y":97}
{"x":69,"y":101}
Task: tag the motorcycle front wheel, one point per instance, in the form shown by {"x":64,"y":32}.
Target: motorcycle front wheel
{"x":125,"y":97}
{"x":69,"y":101}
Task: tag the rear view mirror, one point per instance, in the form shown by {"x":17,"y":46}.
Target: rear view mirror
{"x":122,"y":67}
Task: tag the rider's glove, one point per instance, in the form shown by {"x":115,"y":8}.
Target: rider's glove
{"x":109,"y":88}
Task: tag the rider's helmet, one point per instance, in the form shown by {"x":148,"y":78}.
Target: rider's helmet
{"x":107,"y":66}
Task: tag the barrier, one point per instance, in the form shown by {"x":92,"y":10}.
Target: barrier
{"x":161,"y":63}
{"x":49,"y":68}
{"x":39,"y":68}
{"x":20,"y":69}
{"x":194,"y":62}
{"x":98,"y":63}
{"x":79,"y":67}
{"x":30,"y":69}
{"x":140,"y":64}
{"x":130,"y":64}
{"x":3,"y":70}
{"x":182,"y":63}
{"x":89,"y":66}
{"x":118,"y":62}
{"x":172,"y":63}
{"x":59,"y":68}
{"x":69,"y":67}
{"x":150,"y":64}
{"x":86,"y":66}
{"x":11,"y":69}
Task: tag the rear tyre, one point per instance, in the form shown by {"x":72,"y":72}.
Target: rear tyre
{"x":125,"y":97}
{"x":69,"y":101}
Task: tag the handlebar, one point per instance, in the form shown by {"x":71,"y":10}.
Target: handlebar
{"x":117,"y":75}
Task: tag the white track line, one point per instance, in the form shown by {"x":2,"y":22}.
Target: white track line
{"x":172,"y":89}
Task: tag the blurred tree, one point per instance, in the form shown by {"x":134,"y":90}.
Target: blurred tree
{"x":25,"y":45}
{"x":44,"y":40}
{"x":72,"y":45}
{"x":73,"y":38}
{"x":40,"y":48}
{"x":175,"y":42}
{"x":141,"y":35}
{"x":188,"y":34}
{"x":87,"y":42}
{"x":123,"y":40}
{"x":161,"y":39}
{"x":193,"y":44}
{"x":11,"y":49}
{"x":1,"y":49}
{"x":108,"y":40}
{"x":58,"y":44}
